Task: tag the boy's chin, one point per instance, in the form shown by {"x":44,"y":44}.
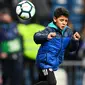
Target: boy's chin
{"x":61,"y":28}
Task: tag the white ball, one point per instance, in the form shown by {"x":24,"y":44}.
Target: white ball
{"x":25,"y":9}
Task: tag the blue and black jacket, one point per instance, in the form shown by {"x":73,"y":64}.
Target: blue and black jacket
{"x":51,"y":52}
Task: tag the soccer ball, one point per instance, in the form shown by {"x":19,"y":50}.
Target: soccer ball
{"x":25,"y":10}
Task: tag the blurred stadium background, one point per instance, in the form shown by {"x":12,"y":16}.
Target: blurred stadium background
{"x":72,"y":70}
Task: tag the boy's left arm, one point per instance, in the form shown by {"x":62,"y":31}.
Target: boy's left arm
{"x":76,"y":36}
{"x":74,"y":42}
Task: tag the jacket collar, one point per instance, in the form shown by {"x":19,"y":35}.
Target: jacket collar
{"x":52,"y":25}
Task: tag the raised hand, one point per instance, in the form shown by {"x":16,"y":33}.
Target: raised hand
{"x":51,"y":35}
{"x":76,"y":36}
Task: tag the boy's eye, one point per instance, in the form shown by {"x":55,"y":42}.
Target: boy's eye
{"x":66,"y":20}
{"x":61,"y":20}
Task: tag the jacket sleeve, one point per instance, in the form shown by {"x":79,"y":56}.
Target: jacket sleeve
{"x":41,"y":36}
{"x":73,"y":45}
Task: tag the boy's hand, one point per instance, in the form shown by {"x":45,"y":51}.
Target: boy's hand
{"x":76,"y":36}
{"x":51,"y":35}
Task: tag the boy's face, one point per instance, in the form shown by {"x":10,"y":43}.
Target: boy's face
{"x":61,"y":21}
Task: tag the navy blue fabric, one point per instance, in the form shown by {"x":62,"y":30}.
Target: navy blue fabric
{"x":8,"y":31}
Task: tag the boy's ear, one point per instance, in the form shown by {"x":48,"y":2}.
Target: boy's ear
{"x":54,"y":19}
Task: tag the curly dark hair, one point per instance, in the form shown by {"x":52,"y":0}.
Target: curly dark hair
{"x":59,"y":11}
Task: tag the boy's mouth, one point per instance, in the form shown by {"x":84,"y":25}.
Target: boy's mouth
{"x":62,"y":27}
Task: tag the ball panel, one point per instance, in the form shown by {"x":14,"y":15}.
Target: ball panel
{"x":24,"y":15}
{"x":26,"y":7}
{"x":30,"y":3}
{"x":32,"y":12}
{"x":22,"y":2}
{"x":18,"y":10}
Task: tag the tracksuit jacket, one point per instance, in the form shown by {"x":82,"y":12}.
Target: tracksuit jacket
{"x":51,"y":52}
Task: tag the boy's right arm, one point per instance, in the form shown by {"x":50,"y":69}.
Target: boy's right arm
{"x":44,"y":35}
{"x":41,"y":36}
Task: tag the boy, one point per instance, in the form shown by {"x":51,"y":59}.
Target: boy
{"x":54,"y":41}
